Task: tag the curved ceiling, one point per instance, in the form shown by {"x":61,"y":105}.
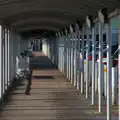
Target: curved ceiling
{"x":49,"y":14}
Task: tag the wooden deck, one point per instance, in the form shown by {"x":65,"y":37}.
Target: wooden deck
{"x":52,"y":97}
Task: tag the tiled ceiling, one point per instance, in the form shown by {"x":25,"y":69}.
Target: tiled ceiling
{"x":49,"y":14}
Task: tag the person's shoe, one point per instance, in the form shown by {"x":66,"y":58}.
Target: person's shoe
{"x":27,"y":93}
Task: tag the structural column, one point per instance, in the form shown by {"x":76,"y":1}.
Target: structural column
{"x":3,"y":58}
{"x":69,"y":56}
{"x":82,"y":63}
{"x":71,"y":50}
{"x":72,"y":57}
{"x":8,"y":56}
{"x":78,"y":70}
{"x":75,"y":58}
{"x":93,"y":64}
{"x":109,"y":69}
{"x":119,"y":63}
{"x":100,"y":66}
{"x":1,"y":70}
{"x":87,"y":63}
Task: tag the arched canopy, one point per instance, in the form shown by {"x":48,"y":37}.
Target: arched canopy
{"x":49,"y":14}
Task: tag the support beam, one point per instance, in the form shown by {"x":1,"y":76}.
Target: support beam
{"x":82,"y":63}
{"x":72,"y":59}
{"x":3,"y":58}
{"x":119,"y":63}
{"x":65,"y":53}
{"x":109,"y":69}
{"x":8,"y":56}
{"x":87,"y":63}
{"x":65,"y":47}
{"x":93,"y":64}
{"x":1,"y":80}
{"x":70,"y":50}
{"x":78,"y":60}
{"x":100,"y":66}
{"x":75,"y":60}
{"x":69,"y":58}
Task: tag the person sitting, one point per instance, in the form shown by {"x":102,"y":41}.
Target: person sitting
{"x":22,"y":63}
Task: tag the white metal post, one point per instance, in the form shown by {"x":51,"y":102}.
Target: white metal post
{"x":72,"y":62}
{"x":65,"y":55}
{"x":3,"y":58}
{"x":105,"y":81}
{"x":69,"y":57}
{"x":1,"y":87}
{"x":119,"y":63}
{"x":96,"y":77}
{"x":71,"y":48}
{"x":67,"y":50}
{"x":8,"y":57}
{"x":78,"y":60}
{"x":82,"y":63}
{"x":114,"y":85}
{"x":100,"y":66}
{"x":75,"y":60}
{"x":87,"y":63}
{"x":93,"y":65}
{"x":66,"y":34}
{"x":109,"y":105}
{"x":64,"y":60}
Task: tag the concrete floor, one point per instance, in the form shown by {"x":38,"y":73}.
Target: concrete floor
{"x":52,"y":97}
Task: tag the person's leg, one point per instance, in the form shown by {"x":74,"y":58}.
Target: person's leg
{"x":28,"y":88}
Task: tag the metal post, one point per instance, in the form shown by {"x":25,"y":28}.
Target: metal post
{"x":72,"y":62}
{"x":109,"y":105}
{"x":105,"y":81}
{"x":64,"y":58}
{"x":100,"y":66}
{"x":87,"y":63}
{"x":75,"y":61}
{"x":69,"y":59}
{"x":78,"y":59}
{"x":8,"y":57}
{"x":1,"y":87}
{"x":67,"y":63}
{"x":93,"y":65}
{"x":6,"y":60}
{"x":114,"y":85}
{"x":119,"y":63}
{"x":71,"y":39}
{"x":65,"y":55}
{"x":82,"y":65}
{"x":96,"y":77}
{"x":3,"y":59}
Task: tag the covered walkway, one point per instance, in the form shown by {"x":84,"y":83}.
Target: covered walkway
{"x":52,"y":97}
{"x":76,"y":64}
